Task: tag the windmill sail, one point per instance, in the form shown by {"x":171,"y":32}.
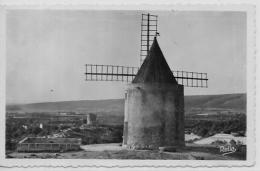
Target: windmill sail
{"x":127,"y":74}
{"x":96,"y":72}
{"x":110,"y":73}
{"x":148,"y":32}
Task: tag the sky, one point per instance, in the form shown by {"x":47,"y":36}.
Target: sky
{"x":46,"y":51}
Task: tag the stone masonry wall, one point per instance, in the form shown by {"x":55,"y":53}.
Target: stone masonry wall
{"x":154,"y":116}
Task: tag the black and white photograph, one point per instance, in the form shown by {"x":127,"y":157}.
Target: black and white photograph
{"x":127,"y":84}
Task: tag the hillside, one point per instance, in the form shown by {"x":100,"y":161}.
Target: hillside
{"x":225,"y":101}
{"x":116,"y":106}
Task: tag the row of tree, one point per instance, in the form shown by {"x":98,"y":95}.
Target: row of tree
{"x":206,"y":128}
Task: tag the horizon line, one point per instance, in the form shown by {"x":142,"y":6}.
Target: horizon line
{"x":111,"y":99}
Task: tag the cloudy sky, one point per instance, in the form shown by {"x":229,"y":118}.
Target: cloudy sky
{"x":47,"y":50}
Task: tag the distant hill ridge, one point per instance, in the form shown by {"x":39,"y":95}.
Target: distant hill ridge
{"x":116,"y":106}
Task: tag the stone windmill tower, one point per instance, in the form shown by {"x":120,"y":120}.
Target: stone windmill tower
{"x":154,"y":102}
{"x":154,"y":105}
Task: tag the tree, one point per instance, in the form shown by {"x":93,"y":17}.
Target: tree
{"x":36,"y":130}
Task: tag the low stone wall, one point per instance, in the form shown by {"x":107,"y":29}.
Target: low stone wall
{"x":40,"y":140}
{"x":46,"y":147}
{"x":37,"y":144}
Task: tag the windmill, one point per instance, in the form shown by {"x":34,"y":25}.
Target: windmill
{"x":154,"y":102}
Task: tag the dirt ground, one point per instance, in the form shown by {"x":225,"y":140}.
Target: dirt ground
{"x":115,"y":151}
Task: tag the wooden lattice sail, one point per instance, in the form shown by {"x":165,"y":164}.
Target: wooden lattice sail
{"x":96,"y":72}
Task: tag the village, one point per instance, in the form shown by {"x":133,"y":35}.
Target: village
{"x":61,"y":128}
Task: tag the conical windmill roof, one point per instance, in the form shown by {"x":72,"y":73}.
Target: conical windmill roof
{"x":155,"y":68}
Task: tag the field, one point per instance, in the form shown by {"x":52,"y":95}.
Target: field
{"x":111,"y":112}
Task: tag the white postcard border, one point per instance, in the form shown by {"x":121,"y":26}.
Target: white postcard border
{"x":251,"y":75}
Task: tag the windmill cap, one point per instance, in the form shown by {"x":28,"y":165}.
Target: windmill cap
{"x":155,"y":68}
